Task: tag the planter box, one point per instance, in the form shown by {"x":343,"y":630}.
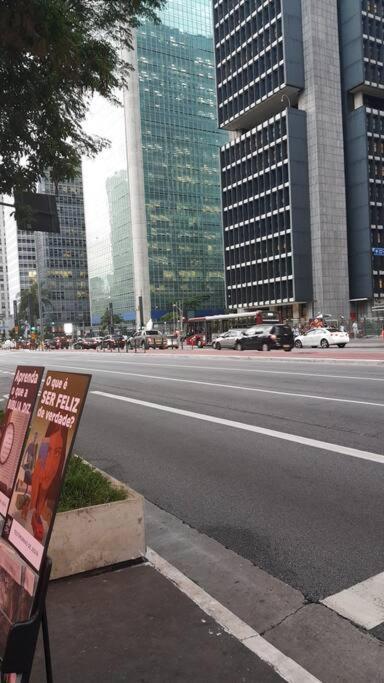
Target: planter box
{"x":98,"y":536}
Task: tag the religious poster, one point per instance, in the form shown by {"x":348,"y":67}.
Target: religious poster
{"x":18,"y":583}
{"x":34,"y":502}
{"x":18,"y":413}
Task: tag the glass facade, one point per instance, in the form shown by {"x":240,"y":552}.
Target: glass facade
{"x":123,"y":291}
{"x":62,"y":260}
{"x":180,"y":144}
{"x":100,"y":277}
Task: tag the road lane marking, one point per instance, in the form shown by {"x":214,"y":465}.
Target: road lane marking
{"x":362,"y":603}
{"x":286,"y":667}
{"x":251,"y":370}
{"x":233,"y":386}
{"x":284,"y":436}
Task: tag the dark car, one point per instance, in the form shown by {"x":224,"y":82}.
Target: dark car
{"x":86,"y":343}
{"x":266,"y":338}
{"x":113,"y":341}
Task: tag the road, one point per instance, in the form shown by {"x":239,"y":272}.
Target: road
{"x":208,"y":438}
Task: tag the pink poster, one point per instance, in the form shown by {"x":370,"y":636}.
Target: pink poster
{"x":34,"y":500}
{"x":18,"y":413}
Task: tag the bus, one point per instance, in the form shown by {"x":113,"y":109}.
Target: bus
{"x":203,"y":330}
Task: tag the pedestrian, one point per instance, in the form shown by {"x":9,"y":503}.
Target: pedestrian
{"x":355,"y":329}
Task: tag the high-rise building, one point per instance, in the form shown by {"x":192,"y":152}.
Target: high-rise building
{"x":160,"y":204}
{"x":300,"y":85}
{"x":123,"y":292}
{"x":4,"y":293}
{"x":20,"y":259}
{"x":100,"y":277}
{"x":173,"y":169}
{"x":362,"y":61}
{"x":62,"y":260}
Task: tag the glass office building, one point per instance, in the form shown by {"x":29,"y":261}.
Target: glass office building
{"x":123,"y":293}
{"x":62,"y":260}
{"x":179,"y":141}
{"x":100,"y":277}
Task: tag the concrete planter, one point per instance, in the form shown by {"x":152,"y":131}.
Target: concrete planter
{"x":98,"y":536}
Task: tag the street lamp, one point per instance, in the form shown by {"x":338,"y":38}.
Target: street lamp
{"x":177,"y":309}
{"x":285,"y":96}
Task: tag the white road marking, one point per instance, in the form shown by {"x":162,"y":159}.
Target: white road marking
{"x":193,"y":366}
{"x":230,"y":386}
{"x":286,"y":667}
{"x":362,"y":603}
{"x":284,"y":436}
{"x":248,"y":370}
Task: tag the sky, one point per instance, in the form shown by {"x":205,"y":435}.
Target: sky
{"x":106,"y":120}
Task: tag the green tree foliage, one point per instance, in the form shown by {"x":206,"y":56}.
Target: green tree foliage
{"x":28,"y":308}
{"x":105,"y":320}
{"x":54,"y":55}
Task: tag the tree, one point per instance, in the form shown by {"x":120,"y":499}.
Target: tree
{"x":105,"y":321}
{"x":54,"y":55}
{"x":28,"y":308}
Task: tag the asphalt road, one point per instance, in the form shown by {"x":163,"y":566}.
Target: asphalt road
{"x":309,"y":514}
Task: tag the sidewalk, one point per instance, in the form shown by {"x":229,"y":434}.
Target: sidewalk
{"x":134,"y":625}
{"x":373,"y":342}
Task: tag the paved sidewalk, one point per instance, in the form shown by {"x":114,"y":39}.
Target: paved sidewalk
{"x":134,"y":625}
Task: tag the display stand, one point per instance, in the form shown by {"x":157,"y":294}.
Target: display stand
{"x":22,"y":638}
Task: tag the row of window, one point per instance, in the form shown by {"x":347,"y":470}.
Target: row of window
{"x":264,"y":180}
{"x":265,"y":134}
{"x":243,"y":10}
{"x":373,"y":27}
{"x":373,"y":73}
{"x":373,"y":50}
{"x":275,"y":228}
{"x":264,"y":32}
{"x":256,"y":241}
{"x":250,"y":69}
{"x":263,"y":88}
{"x":253,"y":208}
{"x":260,"y":272}
{"x":276,"y":292}
{"x":373,"y":7}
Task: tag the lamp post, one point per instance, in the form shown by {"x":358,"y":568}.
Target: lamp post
{"x":179,"y":310}
{"x":285,"y":96}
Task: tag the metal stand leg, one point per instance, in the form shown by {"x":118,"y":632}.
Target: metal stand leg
{"x":47,"y":651}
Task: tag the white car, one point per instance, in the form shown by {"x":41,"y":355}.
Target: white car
{"x":323,"y":337}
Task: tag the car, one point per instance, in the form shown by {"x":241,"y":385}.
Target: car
{"x":266,"y":338}
{"x":198,"y":339}
{"x":86,"y":343}
{"x":148,"y":339}
{"x":112,"y":341}
{"x":172,"y":341}
{"x":228,"y":340}
{"x":9,"y":344}
{"x":323,"y":337}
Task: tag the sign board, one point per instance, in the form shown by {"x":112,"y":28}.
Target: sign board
{"x":33,"y":505}
{"x":18,"y":583}
{"x":36,"y":211}
{"x":378,"y":251}
{"x":18,"y":413}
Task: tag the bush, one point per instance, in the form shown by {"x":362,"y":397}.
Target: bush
{"x":85,"y":486}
